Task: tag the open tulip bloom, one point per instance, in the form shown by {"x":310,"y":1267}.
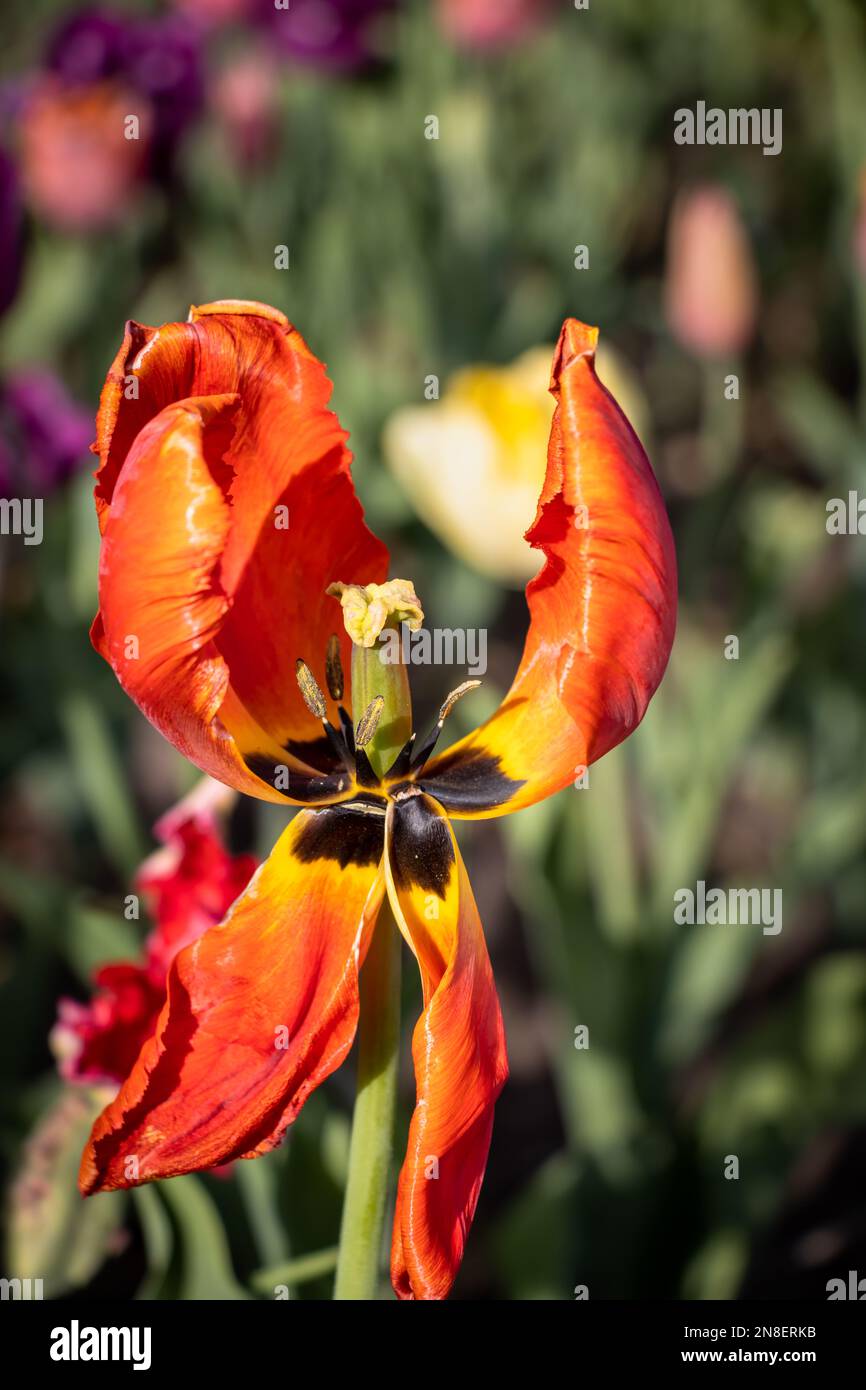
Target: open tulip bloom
{"x":227,"y":514}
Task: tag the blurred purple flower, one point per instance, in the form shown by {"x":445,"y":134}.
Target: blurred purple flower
{"x":338,"y":35}
{"x":7,"y":487}
{"x":48,"y":433}
{"x":159,"y":58}
{"x":87,"y":46}
{"x":163,"y":60}
{"x":11,"y":230}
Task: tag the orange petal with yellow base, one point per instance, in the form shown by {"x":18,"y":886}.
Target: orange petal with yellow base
{"x":602,"y":609}
{"x":458,"y":1050}
{"x":260,"y":1009}
{"x":271,"y":504}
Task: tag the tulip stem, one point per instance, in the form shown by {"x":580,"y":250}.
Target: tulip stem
{"x":373,"y":1122}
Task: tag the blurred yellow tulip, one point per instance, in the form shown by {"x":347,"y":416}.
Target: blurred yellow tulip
{"x":473,"y":463}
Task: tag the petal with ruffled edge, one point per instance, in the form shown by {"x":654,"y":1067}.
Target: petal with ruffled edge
{"x":245,"y":527}
{"x":602,"y":609}
{"x":259,"y":1011}
{"x":188,"y":885}
{"x":190,"y":882}
{"x":458,"y":1049}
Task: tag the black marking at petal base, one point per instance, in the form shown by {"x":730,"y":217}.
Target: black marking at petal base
{"x":348,"y":729}
{"x":315,"y":752}
{"x":471,"y":781}
{"x":420,"y":852}
{"x":400,"y":765}
{"x":304,"y":787}
{"x":347,"y":837}
{"x":364,"y":774}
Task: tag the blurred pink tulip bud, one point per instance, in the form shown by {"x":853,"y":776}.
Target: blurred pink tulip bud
{"x":213,"y":13}
{"x":490,"y":23}
{"x":710,"y":285}
{"x":860,"y":227}
{"x":244,"y":98}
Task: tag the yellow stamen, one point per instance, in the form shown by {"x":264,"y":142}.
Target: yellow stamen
{"x":309,"y":686}
{"x":369,"y":721}
{"x":334,"y":669}
{"x":452,"y":699}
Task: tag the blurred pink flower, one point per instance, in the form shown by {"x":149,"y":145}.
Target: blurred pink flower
{"x":490,"y":23}
{"x":79,"y":169}
{"x":860,"y":227}
{"x":710,"y":285}
{"x":244,"y":99}
{"x":213,"y":13}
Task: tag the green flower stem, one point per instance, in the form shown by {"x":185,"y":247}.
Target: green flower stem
{"x":373,"y":1123}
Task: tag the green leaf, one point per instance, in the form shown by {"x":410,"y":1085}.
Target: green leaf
{"x":298,"y":1271}
{"x":158,"y":1240}
{"x":102,"y":783}
{"x":206,"y":1267}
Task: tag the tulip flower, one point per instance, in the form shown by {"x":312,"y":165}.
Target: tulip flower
{"x":480,"y":25}
{"x":473,"y":462}
{"x":11,"y":230}
{"x":49,"y":431}
{"x":79,"y":169}
{"x":83,"y":161}
{"x":230,"y":529}
{"x":188,"y":885}
{"x":337,"y":36}
{"x":710,"y":284}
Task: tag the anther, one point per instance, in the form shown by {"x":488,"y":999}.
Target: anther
{"x":315,"y":702}
{"x":369,"y":721}
{"x":309,"y":688}
{"x":334,"y":669}
{"x":429,"y":743}
{"x":449,"y":703}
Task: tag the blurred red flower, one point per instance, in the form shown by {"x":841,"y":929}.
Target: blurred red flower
{"x":188,"y":885}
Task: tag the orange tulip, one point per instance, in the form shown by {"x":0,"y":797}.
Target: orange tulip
{"x":206,"y":602}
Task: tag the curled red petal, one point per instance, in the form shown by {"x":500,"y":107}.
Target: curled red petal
{"x":279,"y":521}
{"x":602,"y":609}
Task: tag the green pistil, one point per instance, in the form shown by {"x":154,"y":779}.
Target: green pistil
{"x":372,"y":677}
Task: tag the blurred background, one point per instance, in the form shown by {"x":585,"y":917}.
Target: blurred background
{"x":412,"y":184}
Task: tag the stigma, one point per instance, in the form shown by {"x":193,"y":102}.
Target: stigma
{"x":369,"y":608}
